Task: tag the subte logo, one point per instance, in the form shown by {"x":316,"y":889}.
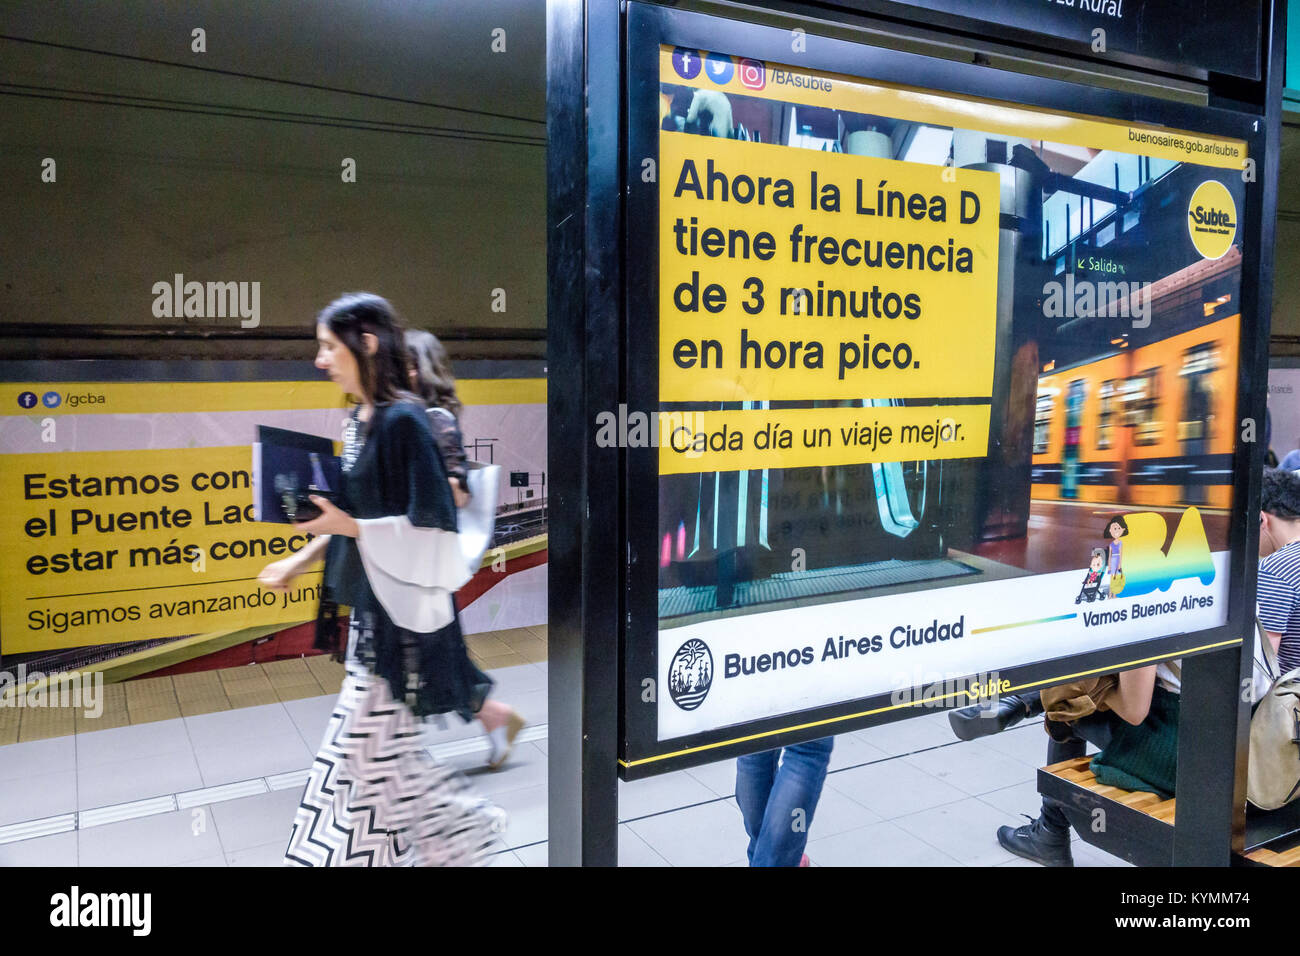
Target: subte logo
{"x":690,"y":674}
{"x":1212,"y":219}
{"x":753,"y":74}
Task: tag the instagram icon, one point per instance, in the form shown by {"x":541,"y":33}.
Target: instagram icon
{"x":753,"y":74}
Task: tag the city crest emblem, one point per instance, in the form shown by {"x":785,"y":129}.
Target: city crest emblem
{"x":690,"y":674}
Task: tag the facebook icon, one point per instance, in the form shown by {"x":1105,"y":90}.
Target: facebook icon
{"x":686,"y":62}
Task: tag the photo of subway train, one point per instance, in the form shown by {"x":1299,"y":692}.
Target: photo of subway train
{"x":1152,"y":425}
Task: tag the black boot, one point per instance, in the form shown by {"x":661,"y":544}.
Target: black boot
{"x":976,"y":721}
{"x":1038,"y":842}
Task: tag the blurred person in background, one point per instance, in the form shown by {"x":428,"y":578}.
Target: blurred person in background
{"x":431,"y":377}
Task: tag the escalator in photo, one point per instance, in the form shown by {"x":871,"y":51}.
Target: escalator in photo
{"x":745,"y":538}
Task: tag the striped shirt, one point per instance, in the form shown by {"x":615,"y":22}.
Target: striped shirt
{"x":1279,"y":602}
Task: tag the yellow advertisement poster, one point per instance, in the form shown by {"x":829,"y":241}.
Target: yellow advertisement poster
{"x":131,"y":545}
{"x":126,"y":507}
{"x":946,"y":385}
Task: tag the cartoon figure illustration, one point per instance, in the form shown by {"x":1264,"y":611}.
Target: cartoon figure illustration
{"x":1092,"y":589}
{"x":1116,"y":528}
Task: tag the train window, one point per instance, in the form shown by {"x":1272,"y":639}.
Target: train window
{"x":1198,"y":397}
{"x":1141,"y":404}
{"x":1107,"y":398}
{"x":1042,"y":421}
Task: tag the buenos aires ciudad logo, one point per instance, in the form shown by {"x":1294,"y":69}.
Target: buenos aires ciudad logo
{"x":690,"y":674}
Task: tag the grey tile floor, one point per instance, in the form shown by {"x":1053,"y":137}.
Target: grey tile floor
{"x":221,"y":789}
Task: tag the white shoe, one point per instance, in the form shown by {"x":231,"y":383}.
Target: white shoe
{"x":502,"y":740}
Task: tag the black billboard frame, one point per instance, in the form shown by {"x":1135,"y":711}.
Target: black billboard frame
{"x":1218,"y":659}
{"x":651,"y":26}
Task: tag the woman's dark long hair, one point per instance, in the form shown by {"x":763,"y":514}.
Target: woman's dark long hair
{"x":436,"y":383}
{"x":383,"y":375}
{"x":383,"y":380}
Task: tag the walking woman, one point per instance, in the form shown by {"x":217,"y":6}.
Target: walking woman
{"x":375,"y":797}
{"x":431,"y":377}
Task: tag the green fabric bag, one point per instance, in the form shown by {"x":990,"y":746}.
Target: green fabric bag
{"x":1143,"y":756}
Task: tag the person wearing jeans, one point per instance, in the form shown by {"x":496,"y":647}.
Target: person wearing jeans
{"x":777,"y":791}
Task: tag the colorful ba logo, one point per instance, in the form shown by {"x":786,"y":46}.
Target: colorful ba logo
{"x":1148,"y":568}
{"x":690,"y":674}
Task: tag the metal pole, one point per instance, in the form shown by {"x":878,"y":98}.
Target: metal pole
{"x":584,"y":282}
{"x":1214,"y":731}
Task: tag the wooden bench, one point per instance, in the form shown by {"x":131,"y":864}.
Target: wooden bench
{"x":1139,"y":827}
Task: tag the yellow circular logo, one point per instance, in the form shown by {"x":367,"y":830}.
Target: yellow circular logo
{"x":1212,"y":219}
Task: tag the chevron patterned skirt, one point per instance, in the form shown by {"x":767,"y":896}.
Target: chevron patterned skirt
{"x":376,"y":797}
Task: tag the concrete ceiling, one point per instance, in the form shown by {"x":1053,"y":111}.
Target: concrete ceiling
{"x":430,"y":51}
{"x":225,"y":164}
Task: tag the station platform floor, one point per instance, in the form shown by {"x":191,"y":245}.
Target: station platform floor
{"x":220,"y":789}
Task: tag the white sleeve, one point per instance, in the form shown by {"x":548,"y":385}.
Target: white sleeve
{"x":412,"y":571}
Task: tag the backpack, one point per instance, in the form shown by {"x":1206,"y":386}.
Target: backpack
{"x":1273,"y":772}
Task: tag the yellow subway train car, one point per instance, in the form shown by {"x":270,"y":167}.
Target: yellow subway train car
{"x":1149,"y":425}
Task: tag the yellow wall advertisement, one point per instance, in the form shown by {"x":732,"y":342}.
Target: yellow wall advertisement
{"x":126,"y":507}
{"x":131,"y":545}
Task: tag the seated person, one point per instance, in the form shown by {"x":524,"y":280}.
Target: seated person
{"x":1134,"y":725}
{"x":1136,"y":729}
{"x":1278,"y":591}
